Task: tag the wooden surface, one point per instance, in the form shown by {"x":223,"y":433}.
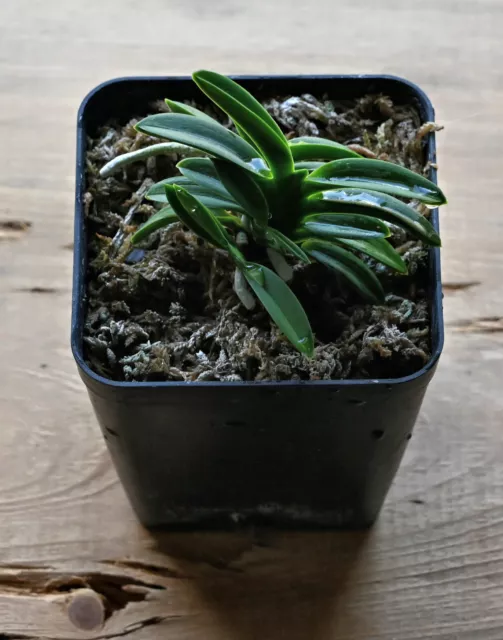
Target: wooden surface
{"x":432,"y":568}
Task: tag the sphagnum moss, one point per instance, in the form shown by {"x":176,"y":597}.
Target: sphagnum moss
{"x":196,"y":329}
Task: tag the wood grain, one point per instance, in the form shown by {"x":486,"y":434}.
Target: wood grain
{"x":432,"y":568}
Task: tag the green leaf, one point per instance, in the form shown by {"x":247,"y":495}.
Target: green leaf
{"x":377,"y":175}
{"x":158,"y":188}
{"x":197,"y":217}
{"x":200,"y":133}
{"x":347,"y":264}
{"x":283,"y":307}
{"x":244,"y":189}
{"x":166,"y":216}
{"x":157,"y":193}
{"x":202,"y":171}
{"x":343,"y":225}
{"x":310,"y":166}
{"x":187,"y":219}
{"x":310,"y":148}
{"x":160,"y":219}
{"x":180,"y":107}
{"x":237,"y":92}
{"x":375,"y":204}
{"x":276,"y":240}
{"x":250,"y":117}
{"x":379,"y":249}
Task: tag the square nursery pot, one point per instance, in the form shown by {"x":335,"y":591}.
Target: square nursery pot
{"x":320,"y":453}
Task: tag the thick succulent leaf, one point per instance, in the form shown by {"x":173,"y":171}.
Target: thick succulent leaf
{"x":379,"y":249}
{"x":183,"y":215}
{"x":202,"y":171}
{"x":278,"y":241}
{"x":180,"y":107}
{"x":373,"y":203}
{"x":244,"y":189}
{"x":166,"y":216}
{"x":157,"y":193}
{"x":160,"y":219}
{"x":347,"y":264}
{"x":343,"y":225}
{"x":282,"y":305}
{"x":376,"y":175}
{"x":187,"y":109}
{"x":197,"y":217}
{"x":236,"y":102}
{"x":310,"y":166}
{"x":247,"y":139}
{"x":205,"y":78}
{"x":334,"y":231}
{"x":207,"y":197}
{"x":310,"y":148}
{"x":200,"y":133}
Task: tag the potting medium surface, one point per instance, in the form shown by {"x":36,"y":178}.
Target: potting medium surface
{"x":166,"y":310}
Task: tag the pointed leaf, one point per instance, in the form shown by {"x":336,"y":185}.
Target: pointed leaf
{"x":250,"y":117}
{"x":188,"y":220}
{"x":236,"y":91}
{"x":377,"y":175}
{"x":160,"y":219}
{"x":203,"y":173}
{"x":276,"y":240}
{"x":180,"y":107}
{"x":166,"y":216}
{"x":343,"y":225}
{"x":203,"y":134}
{"x":197,"y":217}
{"x":379,"y":249}
{"x":347,"y":264}
{"x":157,"y":193}
{"x":375,"y":204}
{"x":310,"y":148}
{"x":283,"y":307}
{"x":187,"y":109}
{"x":207,"y":197}
{"x":244,"y":189}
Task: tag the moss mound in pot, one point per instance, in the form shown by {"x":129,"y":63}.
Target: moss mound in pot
{"x":166,"y":309}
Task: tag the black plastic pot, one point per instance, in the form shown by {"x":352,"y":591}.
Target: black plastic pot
{"x":214,"y":453}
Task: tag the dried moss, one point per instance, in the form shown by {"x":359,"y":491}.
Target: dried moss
{"x":167,"y":311}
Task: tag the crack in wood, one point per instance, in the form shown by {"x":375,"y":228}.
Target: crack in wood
{"x":28,"y":566}
{"x":13,"y":229}
{"x":490,"y":324}
{"x":47,"y":582}
{"x":157,"y":570}
{"x":114,"y":591}
{"x":141,"y":624}
{"x":36,"y":289}
{"x":448,"y":287}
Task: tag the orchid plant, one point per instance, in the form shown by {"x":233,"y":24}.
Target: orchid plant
{"x":306,"y":199}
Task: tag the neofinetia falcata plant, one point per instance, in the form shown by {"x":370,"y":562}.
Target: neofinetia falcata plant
{"x":305,"y":199}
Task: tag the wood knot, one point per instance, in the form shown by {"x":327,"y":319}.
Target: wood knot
{"x":86,"y":609}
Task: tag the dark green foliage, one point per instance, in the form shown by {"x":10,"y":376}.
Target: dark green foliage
{"x":307,"y":198}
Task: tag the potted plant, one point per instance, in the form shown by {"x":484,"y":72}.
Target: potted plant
{"x":216,"y":334}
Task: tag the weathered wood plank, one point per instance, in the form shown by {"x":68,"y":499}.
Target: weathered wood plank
{"x":433,"y":566}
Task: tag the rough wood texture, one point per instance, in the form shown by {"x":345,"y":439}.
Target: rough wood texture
{"x":71,"y":552}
